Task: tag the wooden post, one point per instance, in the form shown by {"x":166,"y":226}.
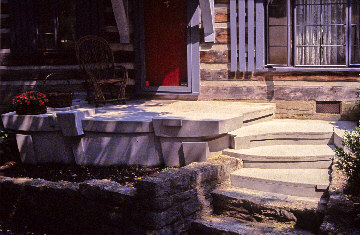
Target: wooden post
{"x":208,"y":19}
{"x":260,"y":35}
{"x":251,"y":35}
{"x":122,"y":21}
{"x":233,"y":36}
{"x":242,"y":35}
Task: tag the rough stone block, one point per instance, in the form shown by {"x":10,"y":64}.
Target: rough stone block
{"x":152,"y":187}
{"x":26,"y":149}
{"x":70,"y":122}
{"x":158,"y":220}
{"x":107,"y":191}
{"x":195,"y":151}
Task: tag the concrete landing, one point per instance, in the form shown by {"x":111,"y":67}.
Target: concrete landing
{"x":149,"y":133}
{"x":296,"y":182}
{"x":228,"y":116}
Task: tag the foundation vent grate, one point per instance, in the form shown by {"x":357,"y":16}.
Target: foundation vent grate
{"x":332,"y":107}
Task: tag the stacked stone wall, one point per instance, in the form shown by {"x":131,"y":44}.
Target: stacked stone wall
{"x":166,"y":203}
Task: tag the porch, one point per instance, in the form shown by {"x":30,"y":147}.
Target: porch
{"x":149,"y":133}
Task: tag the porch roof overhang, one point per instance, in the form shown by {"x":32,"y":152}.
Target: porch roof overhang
{"x":207,"y":16}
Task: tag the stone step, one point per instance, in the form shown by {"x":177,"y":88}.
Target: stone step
{"x":264,"y":207}
{"x":226,"y":226}
{"x":283,"y":131}
{"x":296,"y":182}
{"x":285,"y":156}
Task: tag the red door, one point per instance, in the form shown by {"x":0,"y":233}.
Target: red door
{"x":165,"y":42}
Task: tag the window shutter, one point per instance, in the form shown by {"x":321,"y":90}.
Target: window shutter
{"x":22,"y":27}
{"x":89,"y":18}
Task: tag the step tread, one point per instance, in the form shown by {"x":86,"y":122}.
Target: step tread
{"x":308,"y":177}
{"x":292,"y":126}
{"x":223,"y":225}
{"x":283,"y":151}
{"x":271,"y":199}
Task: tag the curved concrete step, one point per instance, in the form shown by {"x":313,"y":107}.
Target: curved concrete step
{"x":259,"y":206}
{"x":295,"y":182}
{"x":285,"y":156}
{"x":283,"y":131}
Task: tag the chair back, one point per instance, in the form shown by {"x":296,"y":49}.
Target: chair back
{"x":95,"y":57}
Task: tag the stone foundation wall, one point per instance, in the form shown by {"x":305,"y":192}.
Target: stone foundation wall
{"x":163,"y":204}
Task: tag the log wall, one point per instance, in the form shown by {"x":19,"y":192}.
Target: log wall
{"x":217,"y":82}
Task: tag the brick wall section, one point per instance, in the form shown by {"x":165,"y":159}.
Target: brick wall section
{"x":163,"y":204}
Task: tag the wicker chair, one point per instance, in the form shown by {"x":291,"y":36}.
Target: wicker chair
{"x":96,"y":58}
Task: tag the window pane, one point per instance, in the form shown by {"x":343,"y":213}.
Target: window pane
{"x":67,"y":20}
{"x":355,"y":35}
{"x":355,"y":13}
{"x":355,"y":55}
{"x":46,"y":41}
{"x":278,"y":13}
{"x":277,"y":35}
{"x":277,"y":32}
{"x":331,"y":55}
{"x":334,"y":14}
{"x":308,"y":55}
{"x":309,"y":35}
{"x":334,"y":35}
{"x":308,"y":1}
{"x":308,"y":15}
{"x":278,"y":55}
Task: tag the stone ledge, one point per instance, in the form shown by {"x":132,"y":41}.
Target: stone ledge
{"x":165,"y":203}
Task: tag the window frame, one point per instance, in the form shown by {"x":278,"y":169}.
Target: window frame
{"x":292,"y":39}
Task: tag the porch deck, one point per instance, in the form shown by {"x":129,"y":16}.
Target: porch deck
{"x":142,"y":132}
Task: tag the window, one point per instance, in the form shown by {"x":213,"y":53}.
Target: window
{"x":52,"y":25}
{"x":55,"y":24}
{"x":313,"y":32}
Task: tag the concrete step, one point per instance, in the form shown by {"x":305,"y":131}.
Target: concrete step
{"x":258,"y":206}
{"x":226,"y":226}
{"x":283,"y":131}
{"x":285,"y":156}
{"x":295,"y":182}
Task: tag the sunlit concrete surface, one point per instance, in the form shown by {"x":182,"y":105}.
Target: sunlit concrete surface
{"x":141,"y":132}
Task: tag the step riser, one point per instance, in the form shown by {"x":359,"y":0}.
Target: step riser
{"x":248,"y":210}
{"x":288,"y":165}
{"x":258,"y":141}
{"x":289,"y":162}
{"x":288,"y":158}
{"x":294,"y":189}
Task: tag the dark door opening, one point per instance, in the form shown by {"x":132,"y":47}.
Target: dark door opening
{"x":165,"y":43}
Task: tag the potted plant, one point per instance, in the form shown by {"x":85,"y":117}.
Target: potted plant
{"x":30,"y":102}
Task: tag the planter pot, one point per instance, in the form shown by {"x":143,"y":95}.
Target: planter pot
{"x":30,"y":110}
